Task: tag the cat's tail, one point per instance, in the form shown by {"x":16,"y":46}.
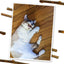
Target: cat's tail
{"x":39,"y":40}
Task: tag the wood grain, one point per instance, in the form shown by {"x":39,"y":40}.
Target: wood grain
{"x":44,"y":17}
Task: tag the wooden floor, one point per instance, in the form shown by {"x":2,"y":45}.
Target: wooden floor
{"x":44,"y":17}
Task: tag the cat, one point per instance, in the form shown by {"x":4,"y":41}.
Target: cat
{"x":21,"y":47}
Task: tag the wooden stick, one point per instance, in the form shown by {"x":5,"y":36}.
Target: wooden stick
{"x":55,"y":50}
{"x":53,"y":2}
{"x":12,"y":61}
{"x":54,"y":56}
{"x":3,"y":33}
{"x":61,"y":31}
{"x":10,"y":9}
{"x":6,"y":15}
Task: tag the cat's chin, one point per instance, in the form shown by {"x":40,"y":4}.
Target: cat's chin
{"x":29,"y":29}
{"x":24,"y":26}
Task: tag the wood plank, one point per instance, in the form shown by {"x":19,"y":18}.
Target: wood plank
{"x":23,"y":8}
{"x":44,"y":19}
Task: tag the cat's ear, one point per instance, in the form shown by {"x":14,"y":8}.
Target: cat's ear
{"x":25,"y":17}
{"x":34,"y":21}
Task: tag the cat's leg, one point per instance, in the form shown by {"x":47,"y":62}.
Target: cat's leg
{"x":36,"y":29}
{"x":34,"y":46}
{"x":40,"y":53}
{"x":38,"y":43}
{"x":30,"y":56}
{"x":39,"y":40}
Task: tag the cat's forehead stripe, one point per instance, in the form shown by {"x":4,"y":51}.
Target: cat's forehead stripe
{"x":32,"y":22}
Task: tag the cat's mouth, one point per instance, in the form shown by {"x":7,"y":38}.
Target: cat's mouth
{"x":29,"y":25}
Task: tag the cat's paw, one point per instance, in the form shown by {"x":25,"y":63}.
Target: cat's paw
{"x":37,"y":29}
{"x":39,"y":40}
{"x":41,"y":52}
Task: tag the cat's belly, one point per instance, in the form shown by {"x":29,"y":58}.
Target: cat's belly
{"x":21,"y":35}
{"x":22,"y":50}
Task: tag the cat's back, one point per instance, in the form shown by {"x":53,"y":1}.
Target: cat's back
{"x":20,"y":33}
{"x":15,"y":36}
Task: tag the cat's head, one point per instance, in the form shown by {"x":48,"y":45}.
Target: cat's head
{"x":28,"y":24}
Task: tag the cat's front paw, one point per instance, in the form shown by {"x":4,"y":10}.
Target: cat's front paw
{"x":37,"y":28}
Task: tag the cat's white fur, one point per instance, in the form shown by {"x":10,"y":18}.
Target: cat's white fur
{"x":21,"y":47}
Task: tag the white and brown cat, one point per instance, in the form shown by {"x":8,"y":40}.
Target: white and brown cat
{"x":21,"y":47}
